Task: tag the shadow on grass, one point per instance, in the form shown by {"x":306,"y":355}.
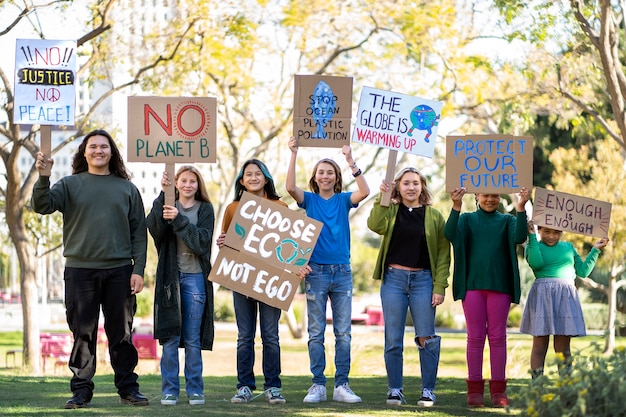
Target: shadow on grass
{"x":45,"y":397}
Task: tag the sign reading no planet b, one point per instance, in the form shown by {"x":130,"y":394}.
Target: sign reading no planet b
{"x":322,"y":110}
{"x":265,"y":245}
{"x":571,"y":213}
{"x":397,"y":121}
{"x":172,"y":129}
{"x":492,"y":164}
{"x":45,"y":82}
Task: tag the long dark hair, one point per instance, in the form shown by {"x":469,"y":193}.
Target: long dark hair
{"x":116,"y":164}
{"x":269,"y":188}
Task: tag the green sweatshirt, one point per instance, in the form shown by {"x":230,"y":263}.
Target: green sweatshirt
{"x":484,"y":251}
{"x":558,"y":261}
{"x":382,"y":220}
{"x":104,"y":224}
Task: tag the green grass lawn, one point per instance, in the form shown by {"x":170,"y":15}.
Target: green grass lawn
{"x":23,"y":395}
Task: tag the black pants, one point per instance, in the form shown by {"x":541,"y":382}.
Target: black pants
{"x":86,"y":290}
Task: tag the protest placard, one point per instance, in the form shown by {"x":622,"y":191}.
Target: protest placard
{"x":492,"y":164}
{"x":45,"y":82}
{"x":172,"y":129}
{"x":264,"y":247}
{"x":571,"y":213}
{"x":397,"y":121}
{"x":322,"y":110}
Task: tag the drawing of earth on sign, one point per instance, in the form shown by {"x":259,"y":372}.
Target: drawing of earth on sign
{"x":425,"y":118}
{"x":323,"y":108}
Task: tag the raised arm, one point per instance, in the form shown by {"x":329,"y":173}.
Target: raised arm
{"x":364,"y":189}
{"x":294,"y":191}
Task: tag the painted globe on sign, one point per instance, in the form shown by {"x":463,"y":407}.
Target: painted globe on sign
{"x":425,"y":118}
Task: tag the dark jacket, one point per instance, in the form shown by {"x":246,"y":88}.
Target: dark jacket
{"x":198,"y":238}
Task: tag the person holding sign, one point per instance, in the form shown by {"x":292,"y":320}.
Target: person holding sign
{"x":553,"y":306}
{"x":255,"y":178}
{"x":414,"y":265}
{"x":331,"y":274}
{"x":183,"y":296}
{"x":105,"y":243}
{"x":486,"y":279}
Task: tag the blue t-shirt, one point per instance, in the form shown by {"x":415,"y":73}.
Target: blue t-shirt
{"x":333,"y":244}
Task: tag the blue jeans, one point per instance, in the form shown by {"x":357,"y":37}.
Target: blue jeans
{"x":413,"y":290}
{"x":192,"y":299}
{"x":334,"y":282}
{"x":246,"y":314}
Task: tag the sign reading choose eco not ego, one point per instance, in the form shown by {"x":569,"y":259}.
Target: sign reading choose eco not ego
{"x":172,"y":129}
{"x":265,"y":245}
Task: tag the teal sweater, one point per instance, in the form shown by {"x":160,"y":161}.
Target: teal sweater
{"x":484,"y":251}
{"x":558,"y":261}
{"x":382,"y":220}
{"x":198,"y":238}
{"x":104,"y":222}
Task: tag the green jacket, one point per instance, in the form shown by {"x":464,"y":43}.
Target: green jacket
{"x":382,"y":220}
{"x":198,"y":238}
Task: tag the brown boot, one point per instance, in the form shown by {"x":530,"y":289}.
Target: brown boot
{"x":498,"y":393}
{"x":475,"y":393}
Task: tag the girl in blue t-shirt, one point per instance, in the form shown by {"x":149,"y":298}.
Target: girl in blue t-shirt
{"x":331,"y":275}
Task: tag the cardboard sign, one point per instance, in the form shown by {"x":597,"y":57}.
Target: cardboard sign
{"x":264,"y":246}
{"x":491,"y":164}
{"x":571,"y":213}
{"x":45,"y":82}
{"x":172,"y":129}
{"x":397,"y":121}
{"x":322,"y":110}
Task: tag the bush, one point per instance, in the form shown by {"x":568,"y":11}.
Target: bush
{"x":591,"y":386}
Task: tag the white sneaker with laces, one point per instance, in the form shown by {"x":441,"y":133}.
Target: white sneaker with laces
{"x":315,"y":394}
{"x":344,"y":394}
{"x":395,"y":397}
{"x":244,"y":395}
{"x":428,"y":398}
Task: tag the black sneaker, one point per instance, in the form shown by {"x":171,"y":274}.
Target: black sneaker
{"x":77,"y":401}
{"x":428,"y":398}
{"x":134,"y":398}
{"x":395,"y":397}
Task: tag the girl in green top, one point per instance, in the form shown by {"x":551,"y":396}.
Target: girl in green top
{"x":553,"y":306}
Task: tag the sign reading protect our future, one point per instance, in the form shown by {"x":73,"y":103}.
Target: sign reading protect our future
{"x":571,"y":213}
{"x":265,"y":245}
{"x":493,"y":164}
{"x":172,"y":129}
{"x":45,"y":82}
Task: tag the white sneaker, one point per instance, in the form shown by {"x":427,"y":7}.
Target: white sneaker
{"x":395,"y":397}
{"x":315,"y":394}
{"x":244,"y":395}
{"x":344,"y":394}
{"x":428,"y":398}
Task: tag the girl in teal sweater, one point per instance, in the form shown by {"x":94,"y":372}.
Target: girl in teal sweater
{"x":553,"y":306}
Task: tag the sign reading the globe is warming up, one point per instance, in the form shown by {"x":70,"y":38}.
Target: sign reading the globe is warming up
{"x":571,"y":213}
{"x":397,"y":121}
{"x":172,"y":129}
{"x":494,"y":164}
{"x":265,"y":245}
{"x":322,"y":111}
{"x":45,"y":82}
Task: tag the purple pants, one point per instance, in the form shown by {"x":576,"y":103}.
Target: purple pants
{"x":486,"y":313}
